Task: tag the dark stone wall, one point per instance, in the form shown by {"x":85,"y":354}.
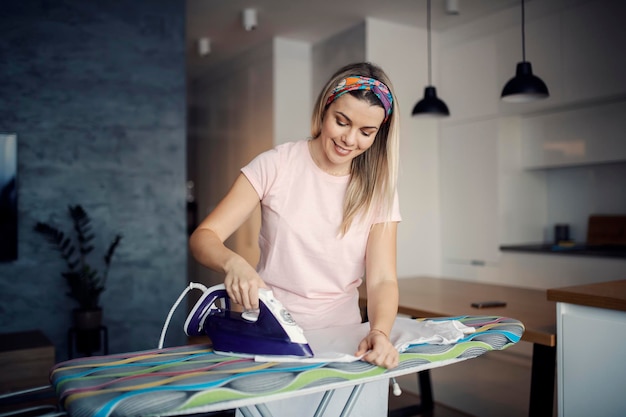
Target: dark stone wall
{"x":95,"y":92}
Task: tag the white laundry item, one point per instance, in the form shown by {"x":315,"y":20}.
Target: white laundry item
{"x":407,"y":332}
{"x":339,"y":344}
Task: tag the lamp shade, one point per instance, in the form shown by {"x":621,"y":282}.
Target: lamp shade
{"x":525,"y":86}
{"x":431,"y":105}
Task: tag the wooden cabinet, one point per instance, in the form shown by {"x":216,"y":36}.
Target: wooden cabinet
{"x":25,"y":359}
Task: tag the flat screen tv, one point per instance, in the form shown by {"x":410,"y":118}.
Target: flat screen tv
{"x":8,"y":197}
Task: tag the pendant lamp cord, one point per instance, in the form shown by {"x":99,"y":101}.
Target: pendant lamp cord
{"x":523,"y":34}
{"x":428,"y":30}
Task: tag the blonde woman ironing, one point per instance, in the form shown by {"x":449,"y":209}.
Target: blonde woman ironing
{"x":329,"y":217}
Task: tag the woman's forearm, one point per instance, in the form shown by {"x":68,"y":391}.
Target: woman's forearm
{"x":208,"y":249}
{"x":382,"y":305}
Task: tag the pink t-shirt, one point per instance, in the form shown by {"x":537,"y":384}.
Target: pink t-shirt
{"x":313,"y":271}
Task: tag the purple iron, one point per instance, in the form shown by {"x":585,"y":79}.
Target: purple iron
{"x":271,"y":331}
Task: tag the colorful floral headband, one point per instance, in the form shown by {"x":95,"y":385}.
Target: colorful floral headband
{"x":356,"y":82}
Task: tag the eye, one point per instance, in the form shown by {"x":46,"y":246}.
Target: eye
{"x":367,"y":133}
{"x":341,"y":122}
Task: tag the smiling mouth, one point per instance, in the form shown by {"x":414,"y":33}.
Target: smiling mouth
{"x":340,"y":150}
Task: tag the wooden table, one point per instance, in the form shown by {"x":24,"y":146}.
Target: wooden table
{"x":610,"y":295}
{"x":442,"y":297}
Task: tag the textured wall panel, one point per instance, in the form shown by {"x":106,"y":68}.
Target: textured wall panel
{"x":96,"y":94}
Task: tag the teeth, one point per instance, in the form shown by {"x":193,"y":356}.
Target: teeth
{"x":341,"y":150}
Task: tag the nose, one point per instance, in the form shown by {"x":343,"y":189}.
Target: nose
{"x":349,"y":138}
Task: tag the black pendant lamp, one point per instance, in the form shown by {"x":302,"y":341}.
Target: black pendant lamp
{"x":430,"y":105}
{"x":525,"y":86}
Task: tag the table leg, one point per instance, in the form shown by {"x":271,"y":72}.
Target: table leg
{"x":426,"y":390}
{"x":542,"y":381}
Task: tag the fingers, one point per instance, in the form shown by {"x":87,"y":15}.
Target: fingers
{"x":378,"y":351}
{"x":243,"y":292}
{"x":362,"y":349}
{"x":247,"y":296}
{"x":388,"y":359}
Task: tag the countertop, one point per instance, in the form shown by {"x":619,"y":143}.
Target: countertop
{"x":601,"y":251}
{"x":610,"y":295}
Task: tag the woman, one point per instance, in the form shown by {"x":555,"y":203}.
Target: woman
{"x":329,"y":215}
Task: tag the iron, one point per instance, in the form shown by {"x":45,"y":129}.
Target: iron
{"x":270,"y":330}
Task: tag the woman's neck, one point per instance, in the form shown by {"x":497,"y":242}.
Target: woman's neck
{"x":317,"y":154}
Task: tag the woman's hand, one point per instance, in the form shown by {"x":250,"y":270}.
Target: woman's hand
{"x":378,"y":350}
{"x":242,"y":283}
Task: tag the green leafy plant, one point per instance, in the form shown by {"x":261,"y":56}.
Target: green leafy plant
{"x":84,"y":281}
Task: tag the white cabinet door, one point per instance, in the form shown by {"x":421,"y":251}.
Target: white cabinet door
{"x":590,"y":361}
{"x":581,"y":136}
{"x":469,"y":201}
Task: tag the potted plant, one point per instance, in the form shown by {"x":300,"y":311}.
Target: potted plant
{"x":85,"y":282}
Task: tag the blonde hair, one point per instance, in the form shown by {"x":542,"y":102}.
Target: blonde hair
{"x":374,"y":173}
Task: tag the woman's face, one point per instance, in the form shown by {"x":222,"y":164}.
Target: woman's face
{"x":348,"y":129}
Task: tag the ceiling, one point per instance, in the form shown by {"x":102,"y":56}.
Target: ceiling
{"x":308,"y":21}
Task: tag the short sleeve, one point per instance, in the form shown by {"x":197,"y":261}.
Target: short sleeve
{"x":394,"y":215}
{"x":262,"y":171}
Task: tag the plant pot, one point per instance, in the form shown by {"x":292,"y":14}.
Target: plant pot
{"x":87,"y":324}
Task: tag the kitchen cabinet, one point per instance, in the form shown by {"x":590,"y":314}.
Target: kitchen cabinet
{"x":588,"y":135}
{"x":479,"y":97}
{"x":591,"y":334}
{"x":584,"y":122}
{"x":593,"y":65}
{"x":469,"y":193}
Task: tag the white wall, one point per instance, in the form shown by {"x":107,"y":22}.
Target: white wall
{"x":293,"y":101}
{"x":336,"y":51}
{"x":576,"y":192}
{"x":401,"y":52}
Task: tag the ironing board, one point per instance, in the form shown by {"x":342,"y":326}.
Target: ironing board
{"x":193,"y":379}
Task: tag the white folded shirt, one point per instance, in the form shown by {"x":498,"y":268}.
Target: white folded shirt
{"x":339,"y":344}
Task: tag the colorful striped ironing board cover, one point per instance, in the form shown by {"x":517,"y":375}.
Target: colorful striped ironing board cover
{"x":192,"y":379}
